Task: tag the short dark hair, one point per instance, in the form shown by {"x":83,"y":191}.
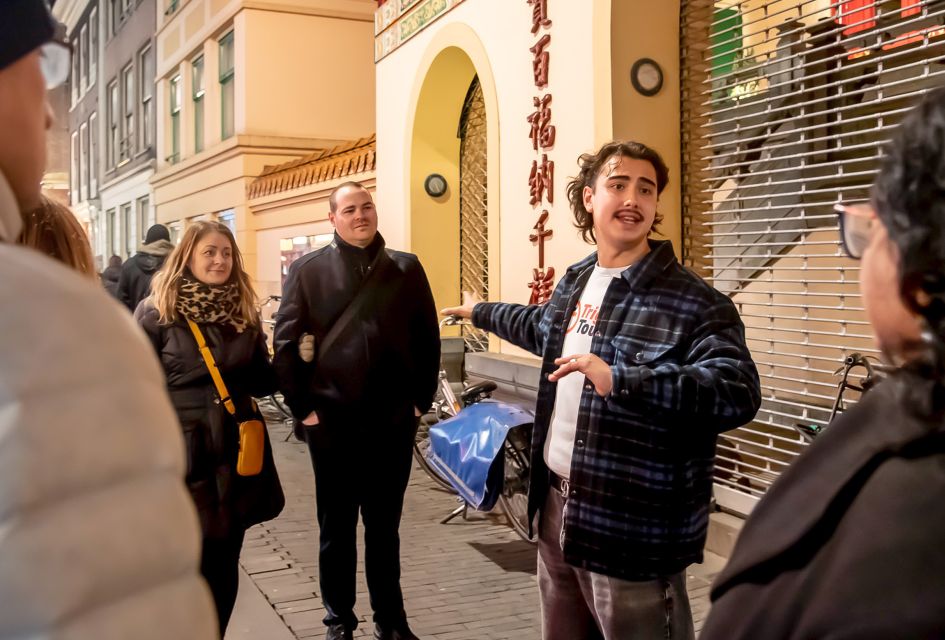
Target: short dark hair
{"x":333,"y":196}
{"x":590,"y":166}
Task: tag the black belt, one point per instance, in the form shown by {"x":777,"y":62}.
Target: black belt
{"x":559,"y":484}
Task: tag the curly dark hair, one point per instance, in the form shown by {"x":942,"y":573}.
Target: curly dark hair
{"x":591,"y":165}
{"x":908,"y":195}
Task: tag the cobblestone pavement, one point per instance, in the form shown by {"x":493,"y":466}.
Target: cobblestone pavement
{"x":468,"y":579}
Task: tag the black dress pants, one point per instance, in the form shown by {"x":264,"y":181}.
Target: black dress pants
{"x":361,"y":469}
{"x":220,"y":567}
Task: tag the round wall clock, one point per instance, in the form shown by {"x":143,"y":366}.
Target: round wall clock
{"x":646,"y":76}
{"x":435,"y":185}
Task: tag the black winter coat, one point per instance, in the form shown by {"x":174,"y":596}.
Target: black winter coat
{"x":110,"y":278}
{"x":224,"y":500}
{"x":386,"y":361}
{"x":134,"y":284}
{"x":850,"y":541}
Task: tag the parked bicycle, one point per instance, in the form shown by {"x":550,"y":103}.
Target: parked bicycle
{"x":855,"y":364}
{"x":516,"y":447}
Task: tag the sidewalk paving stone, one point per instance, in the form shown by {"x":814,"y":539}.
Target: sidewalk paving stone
{"x":469,"y":579}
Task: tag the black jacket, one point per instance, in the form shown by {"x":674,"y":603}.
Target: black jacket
{"x":850,"y":541}
{"x":224,"y":499}
{"x":110,"y":278}
{"x":134,"y":285}
{"x":385,"y":362}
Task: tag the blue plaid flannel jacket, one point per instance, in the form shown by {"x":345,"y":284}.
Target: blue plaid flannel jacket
{"x":641,"y":473}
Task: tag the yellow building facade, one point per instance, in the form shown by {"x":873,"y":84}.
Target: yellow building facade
{"x":245,"y":85}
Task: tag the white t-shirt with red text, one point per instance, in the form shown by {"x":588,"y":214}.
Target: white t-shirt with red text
{"x":559,"y":446}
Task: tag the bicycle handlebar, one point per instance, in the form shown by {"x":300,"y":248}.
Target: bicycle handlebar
{"x":454,"y":321}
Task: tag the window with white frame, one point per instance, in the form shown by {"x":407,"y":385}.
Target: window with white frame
{"x":227,"y":88}
{"x":74,"y":178}
{"x":146,"y":95}
{"x":114,"y":17}
{"x":128,"y":112}
{"x":144,"y":216}
{"x":76,"y":70}
{"x":175,"y":119}
{"x":83,"y":54}
{"x":198,"y":96}
{"x":114,"y":136}
{"x":111,"y":234}
{"x":127,"y":230}
{"x":93,"y":46}
{"x":93,"y":155}
{"x":83,"y":162}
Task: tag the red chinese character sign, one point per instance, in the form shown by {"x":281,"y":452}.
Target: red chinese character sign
{"x":541,"y":132}
{"x":542,"y":283}
{"x":539,"y":15}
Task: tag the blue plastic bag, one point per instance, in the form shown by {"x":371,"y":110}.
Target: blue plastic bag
{"x":467,"y":449}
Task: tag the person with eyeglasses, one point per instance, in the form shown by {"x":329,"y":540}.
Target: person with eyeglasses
{"x":848,"y":541}
{"x":98,"y":535}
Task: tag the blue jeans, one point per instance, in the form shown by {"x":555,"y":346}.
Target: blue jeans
{"x":577,"y":604}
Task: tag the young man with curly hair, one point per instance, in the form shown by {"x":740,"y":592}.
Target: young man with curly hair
{"x":643,"y":364}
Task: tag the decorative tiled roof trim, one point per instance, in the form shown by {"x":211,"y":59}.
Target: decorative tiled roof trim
{"x":326,"y":164}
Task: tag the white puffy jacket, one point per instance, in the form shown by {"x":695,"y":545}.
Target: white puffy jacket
{"x":98,"y":536}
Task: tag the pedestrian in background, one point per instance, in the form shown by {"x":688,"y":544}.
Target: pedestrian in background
{"x":98,"y":538}
{"x":134,"y":285}
{"x":111,"y":274}
{"x":204,"y":282}
{"x":53,"y":230}
{"x":848,"y":541}
{"x":357,"y":351}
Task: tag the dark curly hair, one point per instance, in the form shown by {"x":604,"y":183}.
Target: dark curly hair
{"x":909,"y":197}
{"x":591,"y":165}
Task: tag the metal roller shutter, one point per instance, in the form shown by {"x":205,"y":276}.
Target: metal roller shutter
{"x":786,"y":104}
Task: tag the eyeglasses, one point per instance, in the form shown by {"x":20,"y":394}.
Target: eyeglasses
{"x":55,"y":60}
{"x":856,"y":227}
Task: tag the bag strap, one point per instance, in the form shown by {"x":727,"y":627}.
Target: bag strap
{"x":380,"y":263}
{"x":212,"y":366}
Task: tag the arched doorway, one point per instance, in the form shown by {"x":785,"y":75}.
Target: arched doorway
{"x":473,"y":206}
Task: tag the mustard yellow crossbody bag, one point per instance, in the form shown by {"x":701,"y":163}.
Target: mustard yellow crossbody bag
{"x":252,"y":432}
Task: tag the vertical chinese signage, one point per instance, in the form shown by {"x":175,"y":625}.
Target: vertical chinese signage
{"x":541,"y":178}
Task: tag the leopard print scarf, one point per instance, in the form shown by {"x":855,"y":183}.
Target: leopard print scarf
{"x":209,"y":303}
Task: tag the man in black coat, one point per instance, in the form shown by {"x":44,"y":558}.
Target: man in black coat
{"x":359,"y":395}
{"x":134,"y":285}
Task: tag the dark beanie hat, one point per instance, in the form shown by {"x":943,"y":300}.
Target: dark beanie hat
{"x":24,"y":26}
{"x":156,"y":232}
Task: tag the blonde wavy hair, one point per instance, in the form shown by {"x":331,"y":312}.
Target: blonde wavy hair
{"x":166,"y":282}
{"x":53,"y":229}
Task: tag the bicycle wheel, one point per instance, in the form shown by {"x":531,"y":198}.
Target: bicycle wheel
{"x":514,"y":498}
{"x":420,"y":446}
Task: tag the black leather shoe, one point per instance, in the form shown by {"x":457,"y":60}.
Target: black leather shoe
{"x":400,"y":632}
{"x":338,"y":632}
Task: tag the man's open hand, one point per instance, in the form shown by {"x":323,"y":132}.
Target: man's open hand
{"x":470,"y":300}
{"x":596,"y":370}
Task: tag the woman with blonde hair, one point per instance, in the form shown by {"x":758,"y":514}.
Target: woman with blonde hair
{"x":203,"y":282}
{"x":53,"y":229}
